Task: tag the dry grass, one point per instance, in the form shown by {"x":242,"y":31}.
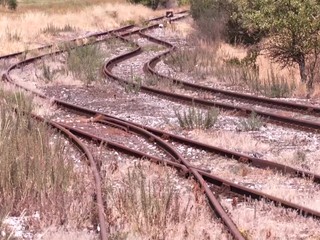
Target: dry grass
{"x":36,"y":171}
{"x":300,"y":158}
{"x":146,"y":201}
{"x":209,"y":61}
{"x":260,"y":220}
{"x":239,"y":141}
{"x":62,"y":234}
{"x":24,"y":30}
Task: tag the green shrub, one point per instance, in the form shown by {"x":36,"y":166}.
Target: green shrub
{"x":85,"y":62}
{"x":215,"y":17}
{"x":195,"y":118}
{"x":253,"y":123}
{"x":12,"y":4}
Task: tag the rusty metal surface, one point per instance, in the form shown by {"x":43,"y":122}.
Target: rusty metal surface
{"x":94,"y":169}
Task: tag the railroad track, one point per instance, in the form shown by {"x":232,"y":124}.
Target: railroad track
{"x":239,"y":101}
{"x":50,"y":50}
{"x":173,"y":157}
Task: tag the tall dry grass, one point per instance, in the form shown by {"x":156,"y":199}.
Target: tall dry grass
{"x":36,"y":172}
{"x":25,"y":30}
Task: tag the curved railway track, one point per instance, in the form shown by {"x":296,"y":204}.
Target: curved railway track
{"x":149,"y":67}
{"x":161,"y":138}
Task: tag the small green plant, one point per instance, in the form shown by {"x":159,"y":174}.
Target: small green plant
{"x":149,"y":3}
{"x":253,"y":123}
{"x":194,"y":118}
{"x":11,"y":4}
{"x":84,"y":63}
{"x":300,"y":156}
{"x":134,"y":86}
{"x":183,"y":60}
{"x":183,"y":2}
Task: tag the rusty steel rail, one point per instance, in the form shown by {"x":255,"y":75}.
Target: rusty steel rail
{"x":256,"y":162}
{"x":272,"y":117}
{"x":296,"y":107}
{"x":214,"y":202}
{"x":185,"y":168}
{"x":95,"y":35}
{"x":73,"y":40}
{"x":92,"y":163}
{"x":310,"y":109}
{"x":243,"y":158}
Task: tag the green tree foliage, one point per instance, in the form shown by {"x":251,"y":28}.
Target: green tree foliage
{"x":215,"y":17}
{"x":11,"y":4}
{"x":294,"y":28}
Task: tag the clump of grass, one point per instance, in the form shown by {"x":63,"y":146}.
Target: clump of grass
{"x":54,"y":30}
{"x":195,"y":118}
{"x":277,"y":87}
{"x":47,"y":73}
{"x":237,"y":72}
{"x":149,"y":205}
{"x":300,"y":156}
{"x":85,"y":62}
{"x":253,"y":123}
{"x":34,"y":172}
{"x":198,"y":61}
{"x":134,"y":86}
{"x":13,"y":36}
{"x":183,"y":60}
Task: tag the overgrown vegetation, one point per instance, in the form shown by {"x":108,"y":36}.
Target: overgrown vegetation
{"x":252,"y":123}
{"x":235,"y":72}
{"x":216,"y":17}
{"x":85,"y":62}
{"x":34,"y":172}
{"x":134,"y":86}
{"x":149,"y":205}
{"x":195,"y":118}
{"x":47,"y":73}
{"x":291,"y":29}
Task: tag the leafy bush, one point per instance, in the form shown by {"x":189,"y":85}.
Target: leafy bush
{"x":215,"y":17}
